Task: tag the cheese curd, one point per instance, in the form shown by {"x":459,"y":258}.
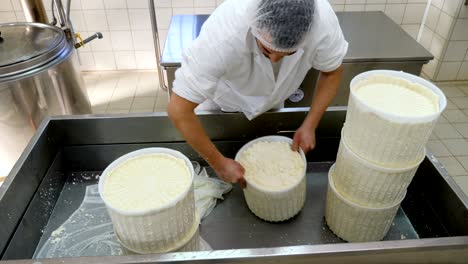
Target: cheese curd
{"x":146,"y":182}
{"x":397,"y":96}
{"x":272,"y":166}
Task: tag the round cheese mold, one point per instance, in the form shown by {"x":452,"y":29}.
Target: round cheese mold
{"x":353,"y":222}
{"x":275,"y":176}
{"x":149,"y":196}
{"x":391,"y":116}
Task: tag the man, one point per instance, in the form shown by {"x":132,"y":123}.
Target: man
{"x":250,"y":56}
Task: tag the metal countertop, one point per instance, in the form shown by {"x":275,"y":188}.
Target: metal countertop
{"x":372,"y":37}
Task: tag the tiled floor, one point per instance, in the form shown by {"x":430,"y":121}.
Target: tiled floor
{"x":129,"y":92}
{"x":132,"y":92}
{"x":449,"y":142}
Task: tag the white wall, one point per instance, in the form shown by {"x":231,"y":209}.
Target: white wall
{"x":446,"y":36}
{"x":454,"y":63}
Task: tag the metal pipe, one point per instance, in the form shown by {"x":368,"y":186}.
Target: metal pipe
{"x":157,"y":47}
{"x":68,"y":11}
{"x":423,"y":22}
{"x":61,"y":13}
{"x":34,"y":11}
{"x":89,"y":39}
{"x":63,"y":20}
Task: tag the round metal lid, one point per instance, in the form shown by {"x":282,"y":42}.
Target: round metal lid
{"x":24,"y":46}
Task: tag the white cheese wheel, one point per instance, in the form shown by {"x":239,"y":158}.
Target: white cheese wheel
{"x":397,"y":96}
{"x":272,"y":166}
{"x":147,"y":182}
{"x":390,"y":117}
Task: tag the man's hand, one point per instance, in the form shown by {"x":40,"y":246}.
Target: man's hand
{"x":230,"y":171}
{"x":325,"y":91}
{"x":181,"y":113}
{"x":304,"y":138}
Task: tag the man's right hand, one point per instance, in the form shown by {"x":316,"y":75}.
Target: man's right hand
{"x":231,"y":171}
{"x":181,"y":112}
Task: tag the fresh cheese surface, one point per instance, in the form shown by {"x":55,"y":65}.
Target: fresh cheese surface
{"x":146,"y":182}
{"x":272,"y":166}
{"x":397,"y":96}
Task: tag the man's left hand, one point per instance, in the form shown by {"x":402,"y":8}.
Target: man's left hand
{"x":304,"y":138}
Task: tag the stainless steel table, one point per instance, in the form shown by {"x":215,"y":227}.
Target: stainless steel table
{"x":375,"y":42}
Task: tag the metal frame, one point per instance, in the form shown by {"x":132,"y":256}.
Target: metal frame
{"x":454,"y":250}
{"x":157,"y":46}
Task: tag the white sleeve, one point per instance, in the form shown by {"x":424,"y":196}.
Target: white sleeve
{"x":202,"y":67}
{"x":333,"y":47}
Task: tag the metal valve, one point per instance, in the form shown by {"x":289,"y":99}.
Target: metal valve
{"x":82,"y":42}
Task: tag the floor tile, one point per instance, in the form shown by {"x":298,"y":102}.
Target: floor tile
{"x":461,"y":102}
{"x":462,"y":128}
{"x":450,"y":105}
{"x":458,"y":147}
{"x":442,"y":120}
{"x":117,"y":111}
{"x":142,"y":110}
{"x":162,"y":100}
{"x":451,"y":91}
{"x":129,"y":79}
{"x":453,"y":167}
{"x":455,"y":116}
{"x":462,"y":181}
{"x":148,"y":78}
{"x":438,"y":148}
{"x":99,"y":109}
{"x":144,"y":102}
{"x":464,"y":88}
{"x":128,"y":84}
{"x":160,"y":109}
{"x":90,"y":80}
{"x":144,"y":90}
{"x":120,"y":93}
{"x":106,"y":83}
{"x":124,"y":103}
{"x":463,"y":161}
{"x":446,"y":131}
{"x":90,"y":83}
{"x":100,"y":97}
{"x":90,"y":92}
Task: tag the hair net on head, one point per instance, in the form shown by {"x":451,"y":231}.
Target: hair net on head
{"x":282,"y":25}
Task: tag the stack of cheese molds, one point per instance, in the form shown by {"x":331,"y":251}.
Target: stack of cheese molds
{"x":160,"y":227}
{"x":389,"y":120}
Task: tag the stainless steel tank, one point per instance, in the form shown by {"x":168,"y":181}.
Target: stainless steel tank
{"x":39,"y":76}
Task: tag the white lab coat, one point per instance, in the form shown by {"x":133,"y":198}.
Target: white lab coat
{"x":224,"y":67}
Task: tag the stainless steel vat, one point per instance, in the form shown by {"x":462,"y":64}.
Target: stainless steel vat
{"x":39,"y":77}
{"x":67,"y":153}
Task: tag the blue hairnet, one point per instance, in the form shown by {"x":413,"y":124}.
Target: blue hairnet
{"x":282,"y":25}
